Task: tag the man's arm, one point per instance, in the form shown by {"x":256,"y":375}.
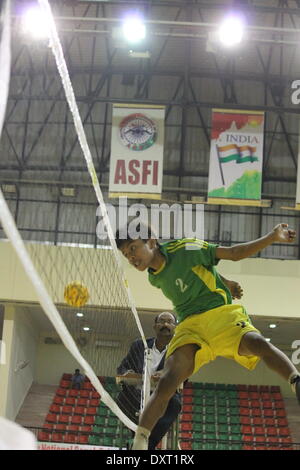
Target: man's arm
{"x":280,"y":234}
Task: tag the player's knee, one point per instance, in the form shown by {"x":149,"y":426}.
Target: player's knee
{"x":168,"y":384}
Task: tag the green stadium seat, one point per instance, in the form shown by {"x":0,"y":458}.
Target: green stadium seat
{"x":209,"y":409}
{"x":209,"y":446}
{"x":198,"y":392}
{"x":232,"y":387}
{"x":234,"y":420}
{"x":211,"y":428}
{"x":94,"y":440}
{"x":234,"y":411}
{"x":220,"y":386}
{"x":197,"y":426}
{"x":236,"y":437}
{"x":197,"y":417}
{"x":197,"y":385}
{"x":210,"y":435}
{"x":209,"y":386}
{"x":196,"y":445}
{"x":222,"y":410}
{"x":223,"y":428}
{"x":209,"y":419}
{"x":222,"y":419}
{"x":235,"y":429}
{"x":102,"y":410}
{"x":236,"y":446}
{"x":223,"y":446}
{"x":112,"y":421}
{"x":209,"y":401}
{"x":100,"y":420}
{"x":223,"y":437}
{"x":209,"y":393}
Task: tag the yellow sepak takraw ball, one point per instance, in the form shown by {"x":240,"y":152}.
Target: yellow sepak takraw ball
{"x":76,"y":294}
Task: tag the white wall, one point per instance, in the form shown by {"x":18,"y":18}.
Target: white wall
{"x":23,"y":347}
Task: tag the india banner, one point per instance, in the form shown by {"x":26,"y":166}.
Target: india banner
{"x":236,"y":155}
{"x":137,"y":146}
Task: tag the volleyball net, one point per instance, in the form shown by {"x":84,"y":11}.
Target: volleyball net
{"x":53,"y":261}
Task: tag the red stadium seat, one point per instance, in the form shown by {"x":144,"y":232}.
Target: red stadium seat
{"x":278,"y":404}
{"x":272,"y":431}
{"x":70,"y":401}
{"x":186,"y":445}
{"x":282,"y":422}
{"x":244,"y":411}
{"x":247,"y":447}
{"x":73,"y":393}
{"x":186,"y":426}
{"x":256,"y":412}
{"x":84,"y":394}
{"x":60,"y":427}
{"x":270,"y":422}
{"x":253,"y":395}
{"x":79,"y":410}
{"x":259,"y":431}
{"x":76,"y":419}
{"x":286,"y":440}
{"x":188,"y":385}
{"x":260,"y":439}
{"x":58,"y":400}
{"x":284,"y":432}
{"x":54,"y":409}
{"x":267,"y":404}
{"x":272,"y":439}
{"x":85,"y":428}
{"x":57,"y":437}
{"x":94,"y":402}
{"x":187,"y":408}
{"x":63,"y":419}
{"x":249,"y":438}
{"x":48,"y":426}
{"x":254,"y":403}
{"x":43,"y":436}
{"x":65,"y":384}
{"x":246,"y":429}
{"x":88,"y":386}
{"x":51,"y":418}
{"x":186,"y":434}
{"x":243,"y":395}
{"x":258,"y":422}
{"x":61,"y":392}
{"x":188,"y":391}
{"x":264,"y":388}
{"x":82,"y":439}
{"x":71,"y":438}
{"x":67,"y":410}
{"x":83,"y":402}
{"x":266,"y":396}
{"x":187,"y":399}
{"x":245,"y":420}
{"x":242,"y":388}
{"x":95,"y":394}
{"x":280,"y":414}
{"x":275,"y":388}
{"x":244,"y":403}
{"x":89,"y":420}
{"x":186,"y":417}
{"x":91,"y":411}
{"x":73,"y":427}
{"x":253,"y":388}
{"x":268,"y":413}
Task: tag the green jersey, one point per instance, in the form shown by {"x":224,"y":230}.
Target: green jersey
{"x":189,"y":277}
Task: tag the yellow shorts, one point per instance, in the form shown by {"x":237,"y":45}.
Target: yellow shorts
{"x":217,"y":332}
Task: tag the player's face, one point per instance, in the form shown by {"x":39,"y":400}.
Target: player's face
{"x":139,"y":253}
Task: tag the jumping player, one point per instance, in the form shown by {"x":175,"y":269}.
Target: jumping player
{"x":209,"y":324}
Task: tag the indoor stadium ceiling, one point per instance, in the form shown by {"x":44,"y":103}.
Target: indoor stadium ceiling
{"x":179,"y":66}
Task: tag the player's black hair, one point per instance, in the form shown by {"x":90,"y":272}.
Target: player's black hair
{"x":143,"y":231}
{"x":157,"y":316}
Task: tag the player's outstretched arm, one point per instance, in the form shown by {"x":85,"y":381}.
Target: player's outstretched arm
{"x":280,"y":234}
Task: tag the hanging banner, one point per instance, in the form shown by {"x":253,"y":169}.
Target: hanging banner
{"x":236,"y":156}
{"x":137,"y":147}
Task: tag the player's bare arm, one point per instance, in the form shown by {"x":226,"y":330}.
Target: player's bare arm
{"x":280,"y":234}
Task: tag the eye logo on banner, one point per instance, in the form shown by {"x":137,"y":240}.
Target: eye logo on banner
{"x":138,"y":132}
{"x":137,"y":146}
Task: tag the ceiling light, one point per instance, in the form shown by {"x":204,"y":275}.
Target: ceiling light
{"x":35,"y":23}
{"x":134,"y":29}
{"x":268,"y":339}
{"x":86,"y":328}
{"x":79,"y":314}
{"x":231,"y":31}
{"x":68,"y":192}
{"x":272,"y":325}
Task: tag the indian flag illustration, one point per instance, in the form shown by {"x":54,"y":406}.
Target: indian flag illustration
{"x":233,"y":152}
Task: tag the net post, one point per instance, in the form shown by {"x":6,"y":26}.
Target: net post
{"x":146,"y":378}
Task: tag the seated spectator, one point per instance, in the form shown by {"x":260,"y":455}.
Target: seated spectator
{"x":77,"y":380}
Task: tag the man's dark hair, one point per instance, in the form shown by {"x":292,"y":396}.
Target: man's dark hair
{"x":143,"y":232}
{"x":77,"y":370}
{"x":157,"y":316}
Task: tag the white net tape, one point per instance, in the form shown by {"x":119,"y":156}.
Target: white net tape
{"x":8,"y":222}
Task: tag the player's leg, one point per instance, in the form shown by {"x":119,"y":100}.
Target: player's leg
{"x":164,"y":423}
{"x":178,"y":367}
{"x":253,"y":343}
